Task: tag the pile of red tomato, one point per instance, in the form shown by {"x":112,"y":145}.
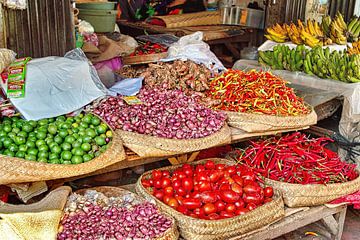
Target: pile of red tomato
{"x":208,"y":191}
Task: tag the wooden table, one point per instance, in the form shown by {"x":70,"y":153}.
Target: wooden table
{"x":225,"y":41}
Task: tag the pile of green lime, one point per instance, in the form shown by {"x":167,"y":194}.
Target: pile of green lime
{"x":61,"y":140}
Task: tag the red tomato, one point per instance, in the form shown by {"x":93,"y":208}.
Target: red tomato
{"x":165,"y":173}
{"x":199,"y":168}
{"x":158,"y":183}
{"x":201,"y":176}
{"x":251,"y":206}
{"x":220,"y":166}
{"x":214,"y":216}
{"x":165,"y":182}
{"x":209,"y":164}
{"x":209,"y":208}
{"x":238,"y":180}
{"x":230,"y":170}
{"x":241,"y":211}
{"x":204,"y":186}
{"x":169,"y":191}
{"x":199,"y":212}
{"x":156,"y":174}
{"x":266,"y":200}
{"x":159,"y":194}
{"x":225,"y":186}
{"x":229,"y":196}
{"x":166,"y":199}
{"x":188,"y":172}
{"x":191,"y":203}
{"x":151,"y":181}
{"x":230,"y":208}
{"x":252,"y":198}
{"x":240,"y":203}
{"x":145,"y":183}
{"x":182,"y":209}
{"x":181,"y":175}
{"x":208,"y":197}
{"x":226,"y":214}
{"x":176,"y":184}
{"x":268,"y":192}
{"x":215,"y":176}
{"x":220,"y":206}
{"x":195,"y":194}
{"x":251,"y":189}
{"x":237,"y":188}
{"x":181,"y":191}
{"x":173,"y":203}
{"x":187,"y":195}
{"x":186,"y":166}
{"x":179,"y":199}
{"x":187,"y":184}
{"x":248,"y":177}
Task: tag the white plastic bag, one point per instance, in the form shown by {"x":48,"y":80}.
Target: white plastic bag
{"x":192,"y":47}
{"x":85,"y":27}
{"x":127,"y":87}
{"x":59,"y":85}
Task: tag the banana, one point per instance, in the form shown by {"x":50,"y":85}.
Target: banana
{"x":310,"y":27}
{"x":341,"y":20}
{"x":318,"y":30}
{"x":272,"y":32}
{"x":351,"y":24}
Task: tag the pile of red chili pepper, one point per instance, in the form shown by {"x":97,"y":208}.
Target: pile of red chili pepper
{"x":148,"y":48}
{"x":296,"y":158}
{"x":256,"y":92}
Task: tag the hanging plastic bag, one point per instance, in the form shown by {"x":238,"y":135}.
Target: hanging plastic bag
{"x":192,"y":47}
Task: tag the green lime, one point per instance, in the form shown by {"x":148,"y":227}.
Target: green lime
{"x":6,"y":120}
{"x":76,"y":144}
{"x":67,"y":162}
{"x":40,"y":142}
{"x":49,"y":140}
{"x":20,"y":154}
{"x":32,"y":134}
{"x":9,"y":153}
{"x":43,"y":154}
{"x":22,"y":134}
{"x":7,"y":128}
{"x":95,"y":148}
{"x":27,"y":128}
{"x":11,"y":135}
{"x":87,"y":118}
{"x":32,"y":139}
{"x":82,"y":133}
{"x":84,"y":125}
{"x":91,"y":133}
{"x":103,"y":148}
{"x":58,"y":139}
{"x":2,"y":133}
{"x":75,"y":130}
{"x":63,"y":133}
{"x":70,"y":119}
{"x":16,"y":130}
{"x":32,"y":123}
{"x":43,"y":128}
{"x":32,"y":151}
{"x":15,"y":119}
{"x":43,"y":148}
{"x":75,"y":125}
{"x":100,"y":141}
{"x":97,"y":154}
{"x":87,"y":157}
{"x":54,"y":161}
{"x":19,"y":124}
{"x":23,"y":148}
{"x":51,"y":120}
{"x":13,"y":147}
{"x":42,"y":160}
{"x":19,"y":140}
{"x":30,"y":157}
{"x":52,"y":129}
{"x":109,"y":134}
{"x":78,"y":152}
{"x":43,"y":122}
{"x":76,"y":160}
{"x":86,"y":147}
{"x":66,"y":155}
{"x":101,"y":128}
{"x":70,"y":139}
{"x":86,"y":139}
{"x":52,"y":144}
{"x":61,"y":118}
{"x":102,"y":135}
{"x":56,"y":149}
{"x":41,"y":135}
{"x":95,"y":121}
{"x":76,"y":136}
{"x":7,"y":142}
{"x":66,"y":125}
{"x":30,"y":144}
{"x":66,"y":146}
{"x":53,"y":156}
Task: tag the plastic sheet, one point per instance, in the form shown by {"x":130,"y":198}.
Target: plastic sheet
{"x":59,"y":85}
{"x":350,"y":118}
{"x":269,"y":45}
{"x":127,"y":87}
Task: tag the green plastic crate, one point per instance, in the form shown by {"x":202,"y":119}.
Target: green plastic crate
{"x":97,"y":5}
{"x":101,"y":20}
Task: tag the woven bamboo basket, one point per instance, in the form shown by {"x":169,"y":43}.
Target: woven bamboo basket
{"x":190,"y":19}
{"x":149,"y":146}
{"x":250,"y":122}
{"x":171,"y":234}
{"x":199,"y":229}
{"x":142,"y":59}
{"x":17,"y":170}
{"x":298,"y":195}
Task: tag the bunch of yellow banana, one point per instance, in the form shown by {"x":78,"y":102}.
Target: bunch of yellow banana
{"x":294,"y":33}
{"x":338,"y":30}
{"x":355,"y":49}
{"x":277,"y":33}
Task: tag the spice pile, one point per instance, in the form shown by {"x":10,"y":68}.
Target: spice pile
{"x":163,"y":113}
{"x":95,"y":216}
{"x":208,"y":191}
{"x":256,"y":92}
{"x":296,"y":158}
{"x":148,"y":48}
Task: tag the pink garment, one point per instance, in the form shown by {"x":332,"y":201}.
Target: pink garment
{"x":351,"y":199}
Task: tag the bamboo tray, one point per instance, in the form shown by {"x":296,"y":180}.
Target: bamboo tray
{"x":143,"y":59}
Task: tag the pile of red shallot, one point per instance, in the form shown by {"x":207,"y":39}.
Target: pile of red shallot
{"x":99,"y":217}
{"x":163,"y":113}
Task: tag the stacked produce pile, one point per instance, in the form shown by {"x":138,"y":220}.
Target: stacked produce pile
{"x":296,"y":158}
{"x":208,"y":191}
{"x":317,"y":61}
{"x":95,"y":216}
{"x":65,"y":140}
{"x":312,"y":34}
{"x":148,"y":48}
{"x":162,"y":113}
{"x":255,"y":92}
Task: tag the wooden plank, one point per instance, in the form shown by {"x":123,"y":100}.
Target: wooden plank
{"x":341,"y":221}
{"x":331,"y":224}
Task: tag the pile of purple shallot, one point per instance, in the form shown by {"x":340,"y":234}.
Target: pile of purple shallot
{"x":163,"y":113}
{"x":111,"y":218}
